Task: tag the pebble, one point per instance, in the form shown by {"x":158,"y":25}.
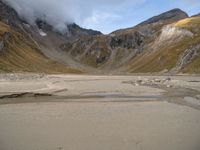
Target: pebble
{"x":136,"y":84}
{"x":169,"y":86}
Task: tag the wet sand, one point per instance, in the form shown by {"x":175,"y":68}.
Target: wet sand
{"x":99,"y":112}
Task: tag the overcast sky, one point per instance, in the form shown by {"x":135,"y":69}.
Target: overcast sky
{"x":103,"y":15}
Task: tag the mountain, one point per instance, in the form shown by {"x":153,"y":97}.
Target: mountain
{"x":172,"y":15}
{"x":166,"y":43}
{"x":121,"y":47}
{"x":73,"y":29}
{"x":18,"y":50}
{"x":176,"y":49}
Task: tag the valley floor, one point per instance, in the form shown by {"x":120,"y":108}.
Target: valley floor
{"x":80,"y":112}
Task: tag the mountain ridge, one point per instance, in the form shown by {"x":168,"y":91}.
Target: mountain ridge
{"x":171,"y":14}
{"x":166,"y":43}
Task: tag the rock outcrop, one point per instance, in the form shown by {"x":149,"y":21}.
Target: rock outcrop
{"x":75,"y":30}
{"x":129,"y":41}
{"x":187,"y":56}
{"x":4,"y":40}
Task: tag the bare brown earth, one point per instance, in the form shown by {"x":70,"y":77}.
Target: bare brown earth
{"x":79,"y":112}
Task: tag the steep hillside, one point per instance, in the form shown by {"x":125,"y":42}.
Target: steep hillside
{"x":18,"y":53}
{"x":192,"y":54}
{"x":175,"y":50}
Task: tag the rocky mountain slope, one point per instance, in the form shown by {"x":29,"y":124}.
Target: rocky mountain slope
{"x":176,"y":49}
{"x":18,"y":53}
{"x":167,"y":43}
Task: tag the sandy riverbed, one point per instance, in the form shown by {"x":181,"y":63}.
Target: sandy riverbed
{"x":68,"y":112}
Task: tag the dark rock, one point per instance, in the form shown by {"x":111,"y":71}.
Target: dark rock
{"x":43,"y":25}
{"x":73,"y":30}
{"x":76,"y":30}
{"x":129,"y":41}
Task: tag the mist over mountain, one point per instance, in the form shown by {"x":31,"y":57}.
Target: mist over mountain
{"x":57,"y":13}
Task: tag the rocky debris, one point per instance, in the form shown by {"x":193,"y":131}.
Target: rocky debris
{"x":174,"y":15}
{"x":188,"y":55}
{"x":152,"y":82}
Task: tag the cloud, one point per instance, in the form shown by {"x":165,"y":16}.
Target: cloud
{"x":99,"y":17}
{"x":104,"y":15}
{"x":58,"y":13}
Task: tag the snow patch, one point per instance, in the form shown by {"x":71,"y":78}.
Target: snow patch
{"x":42,"y":33}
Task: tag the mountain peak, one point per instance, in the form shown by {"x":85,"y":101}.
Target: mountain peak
{"x":172,"y":15}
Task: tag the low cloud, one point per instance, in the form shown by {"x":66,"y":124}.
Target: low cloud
{"x":58,"y":13}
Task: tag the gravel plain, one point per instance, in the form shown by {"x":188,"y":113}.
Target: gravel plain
{"x":80,"y":112}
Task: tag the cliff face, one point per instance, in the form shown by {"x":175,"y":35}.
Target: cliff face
{"x":168,"y":42}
